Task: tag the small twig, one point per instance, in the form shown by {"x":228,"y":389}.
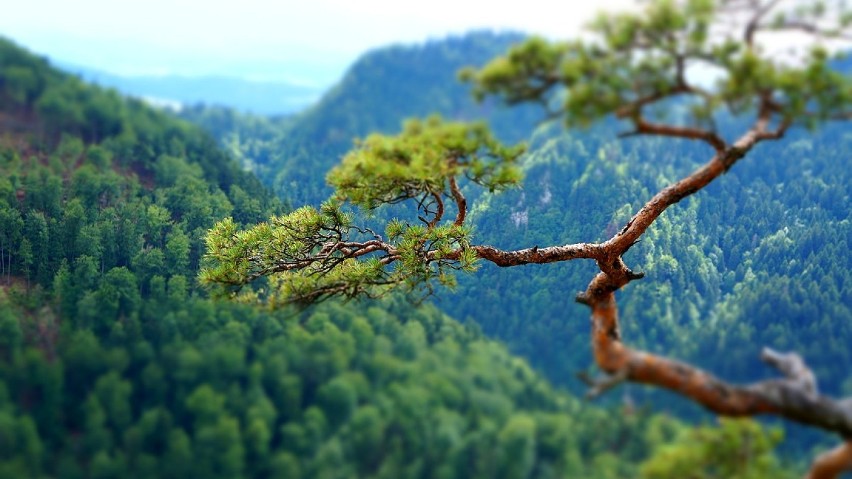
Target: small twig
{"x":793,"y":367}
{"x":601,"y":384}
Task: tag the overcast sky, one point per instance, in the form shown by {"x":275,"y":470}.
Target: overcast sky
{"x":312,"y":41}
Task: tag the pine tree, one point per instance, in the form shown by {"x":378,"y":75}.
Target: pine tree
{"x":640,"y":68}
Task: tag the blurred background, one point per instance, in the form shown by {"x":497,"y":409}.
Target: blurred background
{"x":260,"y":56}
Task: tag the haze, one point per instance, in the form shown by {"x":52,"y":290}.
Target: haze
{"x":310,"y":43}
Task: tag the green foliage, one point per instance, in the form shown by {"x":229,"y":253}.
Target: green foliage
{"x":419,"y":161}
{"x":301,"y":256}
{"x":283,"y":248}
{"x":222,"y":389}
{"x":312,"y":254}
{"x":735,"y":449}
{"x":646,"y":55}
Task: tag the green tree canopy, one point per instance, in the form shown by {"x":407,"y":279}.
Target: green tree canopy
{"x":312,"y":254}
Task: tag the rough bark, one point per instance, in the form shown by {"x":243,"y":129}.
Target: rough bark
{"x":793,"y":397}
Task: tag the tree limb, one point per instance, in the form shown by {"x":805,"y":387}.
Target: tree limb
{"x":644,"y":127}
{"x":439,"y":213}
{"x":829,"y":465}
{"x":551,"y":254}
{"x":793,"y":398}
{"x":461,"y":201}
{"x":754,"y":22}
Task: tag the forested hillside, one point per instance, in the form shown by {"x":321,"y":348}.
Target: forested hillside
{"x":258,"y":97}
{"x":782,"y":216}
{"x":114,"y":363}
{"x":379,"y":91}
{"x":769,"y":241}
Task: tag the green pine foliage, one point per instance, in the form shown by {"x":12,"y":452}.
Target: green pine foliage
{"x":733,"y":449}
{"x":305,"y":256}
{"x":642,"y":55}
{"x":384,"y":169}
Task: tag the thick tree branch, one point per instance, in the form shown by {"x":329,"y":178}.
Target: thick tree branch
{"x":793,"y":398}
{"x":551,"y":254}
{"x":644,"y":127}
{"x":832,"y":464}
{"x":700,"y":178}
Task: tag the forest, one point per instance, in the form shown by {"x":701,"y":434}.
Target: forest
{"x":118,"y":362}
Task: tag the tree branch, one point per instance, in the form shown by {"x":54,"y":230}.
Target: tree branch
{"x":461,"y":201}
{"x":551,"y":254}
{"x":325,"y":258}
{"x":791,"y":398}
{"x":439,"y":213}
{"x":644,"y":127}
{"x":809,"y":28}
{"x":754,"y":22}
{"x":600,"y":385}
{"x":633,"y":108}
{"x":829,"y":465}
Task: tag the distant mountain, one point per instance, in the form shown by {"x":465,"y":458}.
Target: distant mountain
{"x":379,"y":91}
{"x":259,"y":97}
{"x":761,"y":258}
{"x":114,"y":363}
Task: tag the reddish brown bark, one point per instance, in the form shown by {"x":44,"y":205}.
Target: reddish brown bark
{"x":461,"y":201}
{"x":644,"y":127}
{"x":790,"y":397}
{"x":550,"y":254}
{"x":831,"y":464}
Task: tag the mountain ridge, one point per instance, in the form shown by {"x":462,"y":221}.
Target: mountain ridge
{"x":114,"y":363}
{"x":261,"y":97}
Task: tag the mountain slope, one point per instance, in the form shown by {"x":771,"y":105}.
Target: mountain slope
{"x":258,"y":97}
{"x":114,"y":364}
{"x":759,"y":259}
{"x":380,"y":90}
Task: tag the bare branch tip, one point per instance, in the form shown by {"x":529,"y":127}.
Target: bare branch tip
{"x":634,"y":276}
{"x":602,"y":384}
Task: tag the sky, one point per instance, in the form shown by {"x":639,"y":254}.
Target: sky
{"x":303,"y":41}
